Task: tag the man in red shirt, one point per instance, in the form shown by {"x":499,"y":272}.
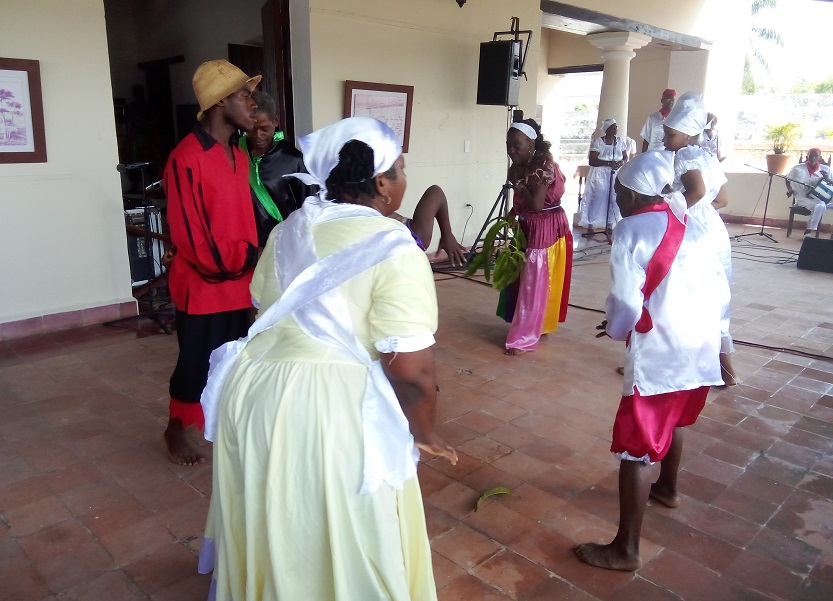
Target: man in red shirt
{"x":213,"y":231}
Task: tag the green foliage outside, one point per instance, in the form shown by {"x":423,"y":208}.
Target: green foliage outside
{"x":810,"y":87}
{"x":761,"y":39}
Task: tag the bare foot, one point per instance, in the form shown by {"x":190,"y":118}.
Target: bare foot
{"x":515,"y":351}
{"x":179,"y":449}
{"x":620,"y":371}
{"x":727,"y":370}
{"x":728,"y":378}
{"x":664,"y":497}
{"x":606,"y":556}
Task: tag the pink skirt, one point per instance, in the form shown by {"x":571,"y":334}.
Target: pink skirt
{"x":537,"y":301}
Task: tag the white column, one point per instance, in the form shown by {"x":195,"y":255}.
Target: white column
{"x":617,"y":51}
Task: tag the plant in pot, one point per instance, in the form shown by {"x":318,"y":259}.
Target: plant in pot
{"x":782,"y":137}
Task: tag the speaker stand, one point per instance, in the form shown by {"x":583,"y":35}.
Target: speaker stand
{"x":500,"y":208}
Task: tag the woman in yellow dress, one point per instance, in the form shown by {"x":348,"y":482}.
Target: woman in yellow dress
{"x":317,"y":415}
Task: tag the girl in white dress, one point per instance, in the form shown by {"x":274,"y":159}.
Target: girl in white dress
{"x":700,"y":178}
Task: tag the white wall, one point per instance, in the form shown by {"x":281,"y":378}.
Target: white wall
{"x":433,"y":45}
{"x":62,"y":235}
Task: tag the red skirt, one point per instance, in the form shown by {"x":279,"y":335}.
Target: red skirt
{"x":644,"y":425}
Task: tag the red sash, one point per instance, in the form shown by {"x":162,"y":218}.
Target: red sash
{"x":660,"y":263}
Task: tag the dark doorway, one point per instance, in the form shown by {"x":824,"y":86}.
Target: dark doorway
{"x":157,"y":132}
{"x":248,"y":57}
{"x":277,"y":62}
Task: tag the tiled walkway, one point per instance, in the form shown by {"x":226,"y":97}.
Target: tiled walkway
{"x":91,"y":509}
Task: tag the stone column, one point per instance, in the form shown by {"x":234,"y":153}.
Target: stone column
{"x":617,"y":51}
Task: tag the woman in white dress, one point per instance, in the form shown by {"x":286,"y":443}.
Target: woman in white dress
{"x":316,"y":414}
{"x":607,"y":153}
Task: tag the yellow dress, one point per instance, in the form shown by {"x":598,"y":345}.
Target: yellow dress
{"x":286,"y":520}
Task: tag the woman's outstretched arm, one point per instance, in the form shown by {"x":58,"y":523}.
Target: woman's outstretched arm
{"x":413,"y":381}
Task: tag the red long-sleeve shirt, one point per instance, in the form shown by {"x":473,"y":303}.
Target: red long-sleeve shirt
{"x":212,"y":226}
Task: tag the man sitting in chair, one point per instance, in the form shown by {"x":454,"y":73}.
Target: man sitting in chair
{"x":800,"y":182}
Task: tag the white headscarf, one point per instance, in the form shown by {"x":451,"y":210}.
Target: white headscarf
{"x":321,"y":148}
{"x":648,"y":173}
{"x":527,"y":130}
{"x":606,"y":125}
{"x":689,"y":114}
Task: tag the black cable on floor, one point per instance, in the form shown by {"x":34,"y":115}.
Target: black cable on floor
{"x":779,"y":349}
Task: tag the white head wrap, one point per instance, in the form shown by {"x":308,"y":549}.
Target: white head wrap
{"x":321,"y":148}
{"x":689,"y":114}
{"x":648,"y":173}
{"x":527,"y":130}
{"x":606,"y":124}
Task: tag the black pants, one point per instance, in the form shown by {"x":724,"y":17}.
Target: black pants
{"x":198,"y":335}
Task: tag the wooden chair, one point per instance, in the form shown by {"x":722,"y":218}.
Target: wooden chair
{"x":797,"y":210}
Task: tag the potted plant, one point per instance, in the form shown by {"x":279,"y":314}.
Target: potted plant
{"x":782,"y":137}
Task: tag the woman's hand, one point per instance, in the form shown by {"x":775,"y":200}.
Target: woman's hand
{"x":436,"y":446}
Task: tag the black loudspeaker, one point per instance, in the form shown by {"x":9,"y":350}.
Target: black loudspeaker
{"x":498,"y":76}
{"x":816,"y":254}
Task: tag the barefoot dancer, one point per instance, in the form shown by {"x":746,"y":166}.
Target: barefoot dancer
{"x":666,"y":301}
{"x":213,"y":231}
{"x":537,"y":302}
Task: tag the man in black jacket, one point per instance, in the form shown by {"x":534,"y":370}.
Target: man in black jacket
{"x":270,"y":158}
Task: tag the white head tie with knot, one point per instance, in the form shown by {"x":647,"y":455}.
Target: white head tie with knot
{"x":607,"y":123}
{"x":648,"y":173}
{"x":689,"y":115}
{"x":321,"y":148}
{"x":527,"y":130}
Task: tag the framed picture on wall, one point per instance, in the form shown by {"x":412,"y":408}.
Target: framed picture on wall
{"x":22,"y":137}
{"x":390,"y":104}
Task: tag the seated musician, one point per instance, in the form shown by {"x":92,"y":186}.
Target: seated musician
{"x":800,"y":182}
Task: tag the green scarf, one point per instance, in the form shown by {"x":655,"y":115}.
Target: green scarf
{"x":254,"y":179}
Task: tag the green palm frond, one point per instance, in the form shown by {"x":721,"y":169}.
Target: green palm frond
{"x":760,"y":58}
{"x":768,"y":34}
{"x":759,"y":5}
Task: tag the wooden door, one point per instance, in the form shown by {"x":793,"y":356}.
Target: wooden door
{"x":277,"y":62}
{"x":160,"y":137}
{"x":248,"y":57}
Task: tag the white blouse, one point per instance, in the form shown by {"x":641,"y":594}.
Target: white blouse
{"x":681,"y":350}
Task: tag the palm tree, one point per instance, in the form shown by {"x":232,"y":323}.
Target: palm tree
{"x":758,"y":35}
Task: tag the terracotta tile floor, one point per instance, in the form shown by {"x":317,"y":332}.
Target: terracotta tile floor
{"x":91,"y":509}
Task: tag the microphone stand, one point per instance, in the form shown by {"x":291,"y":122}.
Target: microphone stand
{"x":766,"y":204}
{"x":608,"y":216}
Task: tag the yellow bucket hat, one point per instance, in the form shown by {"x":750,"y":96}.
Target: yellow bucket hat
{"x":214,"y":80}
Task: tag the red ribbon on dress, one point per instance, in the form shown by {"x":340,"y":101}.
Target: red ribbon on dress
{"x":660,"y":263}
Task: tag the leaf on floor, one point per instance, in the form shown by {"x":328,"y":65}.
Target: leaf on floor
{"x":497,"y":490}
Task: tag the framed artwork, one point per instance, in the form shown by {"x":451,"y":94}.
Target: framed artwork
{"x":389,"y":104}
{"x":22,"y":137}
